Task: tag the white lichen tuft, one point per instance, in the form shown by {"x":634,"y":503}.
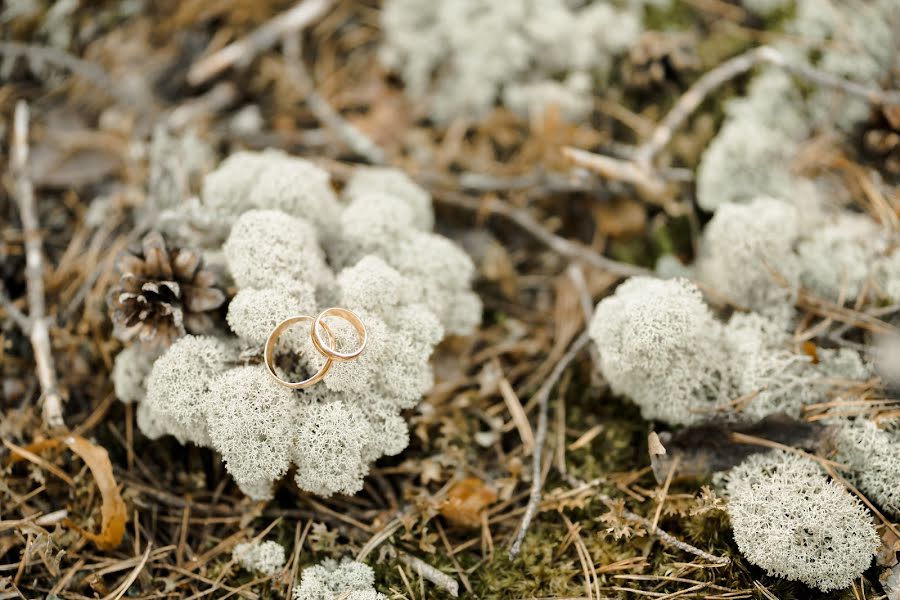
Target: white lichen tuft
{"x":348,"y":580}
{"x":178,"y":386}
{"x":789,"y":519}
{"x":252,"y":422}
{"x":461,"y":57}
{"x":439,"y":271}
{"x":747,"y":159}
{"x":290,"y":247}
{"x":747,"y":254}
{"x":659,"y":344}
{"x":760,"y":253}
{"x":873,"y":455}
{"x":752,"y":153}
{"x":129,"y":374}
{"x":838,"y":257}
{"x":269,"y":249}
{"x":265,"y":557}
{"x":394,"y":183}
{"x":253,"y":314}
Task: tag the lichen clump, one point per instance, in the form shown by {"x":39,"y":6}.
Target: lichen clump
{"x":660,"y":345}
{"x":266,"y":557}
{"x":348,"y":580}
{"x":291,"y":246}
{"x":526,"y":53}
{"x":789,"y":519}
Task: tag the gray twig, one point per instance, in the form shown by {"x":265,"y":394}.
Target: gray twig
{"x":38,"y":331}
{"x":639,"y":170}
{"x":355,"y":139}
{"x":556,"y":243}
{"x":543,"y":397}
{"x":432,"y":574}
{"x":260,"y":39}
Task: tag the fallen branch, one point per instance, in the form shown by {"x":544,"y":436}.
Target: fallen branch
{"x":543,"y":398}
{"x":38,"y":330}
{"x":432,"y":574}
{"x":91,"y":72}
{"x":355,"y":139}
{"x":556,"y":243}
{"x":639,"y":170}
{"x":260,"y":39}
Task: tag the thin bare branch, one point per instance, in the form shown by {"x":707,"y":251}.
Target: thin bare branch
{"x":260,"y":39}
{"x":355,"y":139}
{"x":543,"y":398}
{"x":639,"y":169}
{"x":558,"y":244}
{"x":34,"y":270}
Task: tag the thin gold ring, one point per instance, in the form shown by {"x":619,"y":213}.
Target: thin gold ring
{"x":269,"y":353}
{"x":330,"y":351}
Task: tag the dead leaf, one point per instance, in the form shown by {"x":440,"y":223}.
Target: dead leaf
{"x":466,"y":501}
{"x":112,"y":510}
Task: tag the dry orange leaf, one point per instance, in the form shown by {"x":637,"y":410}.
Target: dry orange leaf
{"x":466,"y":501}
{"x":113,"y":513}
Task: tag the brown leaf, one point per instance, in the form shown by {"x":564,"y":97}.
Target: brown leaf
{"x":113,"y":513}
{"x":112,"y":510}
{"x":466,"y":501}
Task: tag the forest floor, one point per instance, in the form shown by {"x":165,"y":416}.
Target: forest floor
{"x":549,"y":241}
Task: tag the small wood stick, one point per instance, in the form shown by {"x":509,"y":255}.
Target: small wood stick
{"x":39,"y":332}
{"x":260,"y":39}
{"x":543,"y":397}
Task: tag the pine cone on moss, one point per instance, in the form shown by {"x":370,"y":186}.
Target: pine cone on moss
{"x":659,"y":58}
{"x":162,"y":294}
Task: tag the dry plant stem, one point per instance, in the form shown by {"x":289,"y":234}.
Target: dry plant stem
{"x":432,"y":574}
{"x":639,"y":170}
{"x":355,"y":139}
{"x":85,"y":69}
{"x":259,"y":40}
{"x":543,"y":397}
{"x":653,"y":530}
{"x":554,"y":242}
{"x":38,"y":331}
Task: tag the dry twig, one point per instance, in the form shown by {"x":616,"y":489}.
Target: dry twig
{"x":38,"y":330}
{"x":556,"y":243}
{"x":260,"y":39}
{"x":355,"y":139}
{"x":639,"y":169}
{"x":543,"y":398}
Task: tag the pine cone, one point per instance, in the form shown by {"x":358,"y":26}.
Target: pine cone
{"x":162,"y":294}
{"x":659,"y":58}
{"x":881,"y":138}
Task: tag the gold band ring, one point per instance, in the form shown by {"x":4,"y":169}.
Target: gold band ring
{"x":329,"y":350}
{"x":269,"y":352}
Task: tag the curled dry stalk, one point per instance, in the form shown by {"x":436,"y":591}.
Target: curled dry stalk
{"x":639,"y":170}
{"x":36,"y":323}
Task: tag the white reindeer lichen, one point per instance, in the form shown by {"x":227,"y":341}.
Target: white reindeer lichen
{"x":789,"y":519}
{"x":266,"y":557}
{"x":348,"y":580}
{"x":295,"y":248}
{"x":660,"y":345}
{"x":527,"y":53}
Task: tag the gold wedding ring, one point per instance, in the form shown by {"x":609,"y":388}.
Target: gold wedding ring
{"x":330,"y":351}
{"x":326,"y":347}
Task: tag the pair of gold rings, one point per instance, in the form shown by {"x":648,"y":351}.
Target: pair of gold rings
{"x":325,"y":347}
